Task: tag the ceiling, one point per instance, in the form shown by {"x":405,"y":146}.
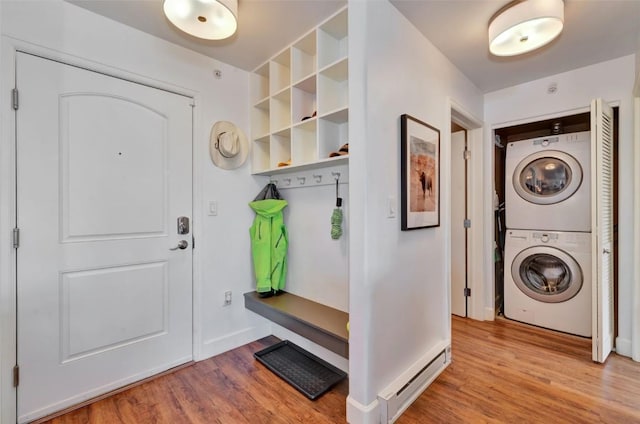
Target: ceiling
{"x":264,"y":26}
{"x":595,"y":31}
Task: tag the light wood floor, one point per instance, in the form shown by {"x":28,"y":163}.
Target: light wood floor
{"x":505,"y":372}
{"x":502,"y":372}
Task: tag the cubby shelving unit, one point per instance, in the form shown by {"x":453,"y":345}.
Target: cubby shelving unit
{"x":300,"y":104}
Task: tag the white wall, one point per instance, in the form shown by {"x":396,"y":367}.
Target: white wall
{"x":613,"y":81}
{"x":318,"y":267}
{"x":398,"y":292}
{"x":222,"y":242}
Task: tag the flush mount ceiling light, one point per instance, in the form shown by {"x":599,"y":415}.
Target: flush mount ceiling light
{"x":525,"y":25}
{"x":208,"y":19}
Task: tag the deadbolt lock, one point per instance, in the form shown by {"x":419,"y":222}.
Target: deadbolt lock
{"x":183,"y":225}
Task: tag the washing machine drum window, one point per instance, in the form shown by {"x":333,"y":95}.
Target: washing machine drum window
{"x":547,"y":274}
{"x":547,"y":177}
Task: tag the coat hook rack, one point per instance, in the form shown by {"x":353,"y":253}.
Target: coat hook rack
{"x":310,"y":178}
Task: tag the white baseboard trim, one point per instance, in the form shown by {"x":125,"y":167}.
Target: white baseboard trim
{"x":227,"y":342}
{"x":358,"y":413}
{"x":623,"y":347}
{"x":320,"y":351}
{"x":489,"y":314}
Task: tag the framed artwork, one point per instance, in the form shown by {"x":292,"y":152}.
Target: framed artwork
{"x":420,"y":179}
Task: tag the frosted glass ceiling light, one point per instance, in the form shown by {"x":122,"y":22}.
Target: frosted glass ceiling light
{"x":208,"y":19}
{"x":525,"y":25}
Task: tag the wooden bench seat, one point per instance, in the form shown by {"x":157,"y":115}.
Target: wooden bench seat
{"x":319,"y":323}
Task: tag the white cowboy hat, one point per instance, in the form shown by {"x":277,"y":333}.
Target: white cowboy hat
{"x":228,"y":145}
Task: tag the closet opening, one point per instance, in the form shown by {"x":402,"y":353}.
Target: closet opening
{"x":554,"y":165}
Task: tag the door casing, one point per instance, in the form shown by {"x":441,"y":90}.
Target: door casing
{"x":477,"y":263}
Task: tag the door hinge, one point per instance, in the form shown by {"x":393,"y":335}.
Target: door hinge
{"x":16,"y":238}
{"x":16,"y":375}
{"x":467,"y":223}
{"x":466,"y":155}
{"x":467,"y":292}
{"x":14,"y":98}
{"x":193,"y":242}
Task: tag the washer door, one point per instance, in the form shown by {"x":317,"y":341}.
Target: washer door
{"x":547,"y":274}
{"x":547,"y":177}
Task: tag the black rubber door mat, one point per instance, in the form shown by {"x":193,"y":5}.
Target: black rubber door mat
{"x":306,"y":372}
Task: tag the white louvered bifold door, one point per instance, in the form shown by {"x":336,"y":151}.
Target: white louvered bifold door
{"x":602,"y":228}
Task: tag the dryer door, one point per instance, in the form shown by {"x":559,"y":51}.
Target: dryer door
{"x":547,"y":177}
{"x":547,"y":274}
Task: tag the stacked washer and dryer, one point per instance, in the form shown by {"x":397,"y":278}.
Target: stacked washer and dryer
{"x":547,"y":276}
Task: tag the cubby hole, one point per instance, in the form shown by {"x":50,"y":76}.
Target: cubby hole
{"x":333,"y":133}
{"x":260,"y":119}
{"x":333,"y":40}
{"x":280,"y":72}
{"x":304,"y":144}
{"x":303,"y":55}
{"x":280,"y":108}
{"x":260,"y":84}
{"x":280,"y":147}
{"x":333,"y":87}
{"x":260,"y":159}
{"x":304,"y":99}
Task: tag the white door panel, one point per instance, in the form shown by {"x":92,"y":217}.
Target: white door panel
{"x":103,"y":172}
{"x":97,"y":154}
{"x":602,"y":228}
{"x":458,"y":232}
{"x":100,"y":307}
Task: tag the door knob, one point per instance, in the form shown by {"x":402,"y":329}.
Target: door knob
{"x":182,"y":244}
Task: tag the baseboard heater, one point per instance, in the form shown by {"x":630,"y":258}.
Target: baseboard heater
{"x":397,"y":397}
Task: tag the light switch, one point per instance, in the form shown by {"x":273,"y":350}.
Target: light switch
{"x":391,"y":207}
{"x":213,"y":208}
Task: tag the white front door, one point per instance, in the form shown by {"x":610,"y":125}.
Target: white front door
{"x":103,"y":173}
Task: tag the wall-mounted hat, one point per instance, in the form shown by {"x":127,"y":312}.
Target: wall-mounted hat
{"x":228,"y":145}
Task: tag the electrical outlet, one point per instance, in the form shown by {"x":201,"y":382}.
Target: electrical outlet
{"x":227,"y":298}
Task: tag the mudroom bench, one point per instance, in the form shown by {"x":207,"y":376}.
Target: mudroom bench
{"x":319,"y":323}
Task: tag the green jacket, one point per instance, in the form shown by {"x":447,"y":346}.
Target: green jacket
{"x":269,"y":244}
